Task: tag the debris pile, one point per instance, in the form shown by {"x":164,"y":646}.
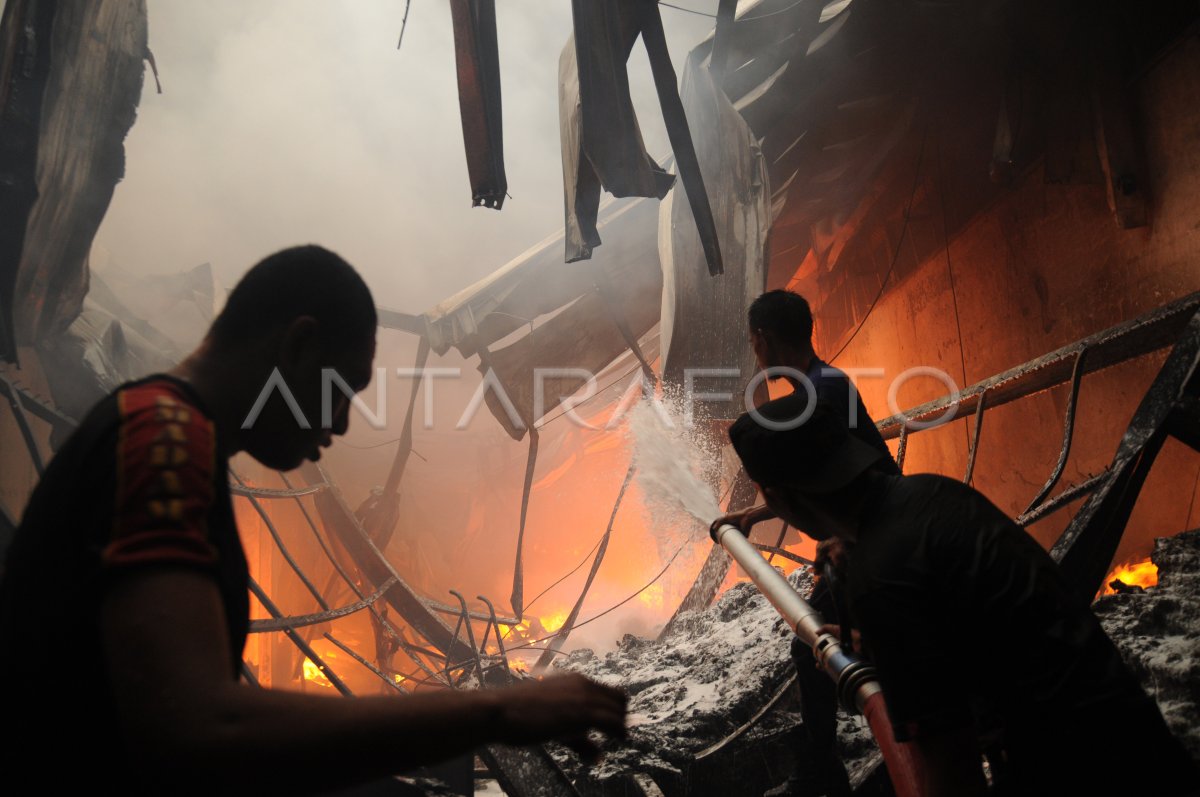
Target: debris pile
{"x":708,"y":676}
{"x":717,"y":669}
{"x":1158,"y":633}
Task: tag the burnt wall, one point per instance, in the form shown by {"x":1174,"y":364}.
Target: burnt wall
{"x":1040,"y":266}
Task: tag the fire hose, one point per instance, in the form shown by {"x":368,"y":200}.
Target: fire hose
{"x":857,"y":684}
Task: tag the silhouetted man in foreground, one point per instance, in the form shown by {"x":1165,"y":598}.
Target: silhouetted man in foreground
{"x":124,"y":607}
{"x":967,"y":619}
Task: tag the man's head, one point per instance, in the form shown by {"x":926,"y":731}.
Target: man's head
{"x":299,"y":312}
{"x":781,"y":326}
{"x":807,"y":471}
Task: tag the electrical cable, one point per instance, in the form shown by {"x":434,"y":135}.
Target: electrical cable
{"x":739,"y":19}
{"x":689,"y":10}
{"x":596,"y":395}
{"x":962,"y":354}
{"x":895,"y":255}
{"x":612,"y":608}
{"x":585,"y":560}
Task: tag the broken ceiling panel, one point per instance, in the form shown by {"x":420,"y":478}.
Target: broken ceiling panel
{"x":536,"y":283}
{"x":605,"y":33}
{"x":601,"y":141}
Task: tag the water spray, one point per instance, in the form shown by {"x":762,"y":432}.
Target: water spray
{"x":857,"y":684}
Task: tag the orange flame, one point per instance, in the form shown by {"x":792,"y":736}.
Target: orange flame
{"x":553,"y":622}
{"x":1140,"y":573}
{"x":314,"y":675}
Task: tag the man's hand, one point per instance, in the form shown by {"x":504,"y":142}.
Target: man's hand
{"x":835,"y":630}
{"x":561,"y":708}
{"x":744,"y":519}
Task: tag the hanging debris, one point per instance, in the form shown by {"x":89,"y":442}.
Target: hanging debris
{"x":602,"y":144}
{"x":477,"y":55}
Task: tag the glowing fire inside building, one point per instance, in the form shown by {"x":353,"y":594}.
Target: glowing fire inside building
{"x":842,"y":437}
{"x":1142,"y":573}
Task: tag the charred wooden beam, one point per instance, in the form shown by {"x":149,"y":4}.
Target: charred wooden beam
{"x":1142,"y":335}
{"x":341,"y":523}
{"x":1085,"y":550}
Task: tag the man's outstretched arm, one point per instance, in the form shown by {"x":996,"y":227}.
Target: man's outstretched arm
{"x":184,"y":716}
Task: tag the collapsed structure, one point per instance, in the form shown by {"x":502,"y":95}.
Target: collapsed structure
{"x":936,"y":179}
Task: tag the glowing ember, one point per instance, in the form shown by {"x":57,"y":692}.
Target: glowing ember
{"x":1142,"y":573}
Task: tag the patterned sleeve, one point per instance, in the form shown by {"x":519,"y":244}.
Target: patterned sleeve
{"x":164,"y":471}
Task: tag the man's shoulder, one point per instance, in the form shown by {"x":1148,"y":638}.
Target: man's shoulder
{"x":934,"y":507}
{"x":162,"y":425}
{"x":935,"y":484}
{"x":149,"y":394}
{"x":831,"y":384}
{"x":818,"y":370}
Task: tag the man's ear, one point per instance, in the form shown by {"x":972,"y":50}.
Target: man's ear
{"x":298,"y":344}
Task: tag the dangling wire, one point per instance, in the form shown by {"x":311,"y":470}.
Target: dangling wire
{"x":896,"y":254}
{"x":404,"y":23}
{"x":962,"y":354}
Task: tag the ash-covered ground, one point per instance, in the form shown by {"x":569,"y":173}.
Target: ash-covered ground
{"x":1158,"y":633}
{"x":717,"y":668}
{"x":707,"y":677}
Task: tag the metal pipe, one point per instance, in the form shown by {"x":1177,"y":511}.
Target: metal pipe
{"x":857,"y":685}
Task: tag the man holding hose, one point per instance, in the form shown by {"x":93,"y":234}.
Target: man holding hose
{"x":781,"y":331}
{"x":972,"y":629}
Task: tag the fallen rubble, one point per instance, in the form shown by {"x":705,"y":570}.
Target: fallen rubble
{"x":717,"y":668}
{"x":706,"y":678}
{"x":1158,"y":633}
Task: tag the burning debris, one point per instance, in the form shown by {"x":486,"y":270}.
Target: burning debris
{"x":1132,"y":576}
{"x":1157,"y":630}
{"x":702,"y":682}
{"x":725,"y":672}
